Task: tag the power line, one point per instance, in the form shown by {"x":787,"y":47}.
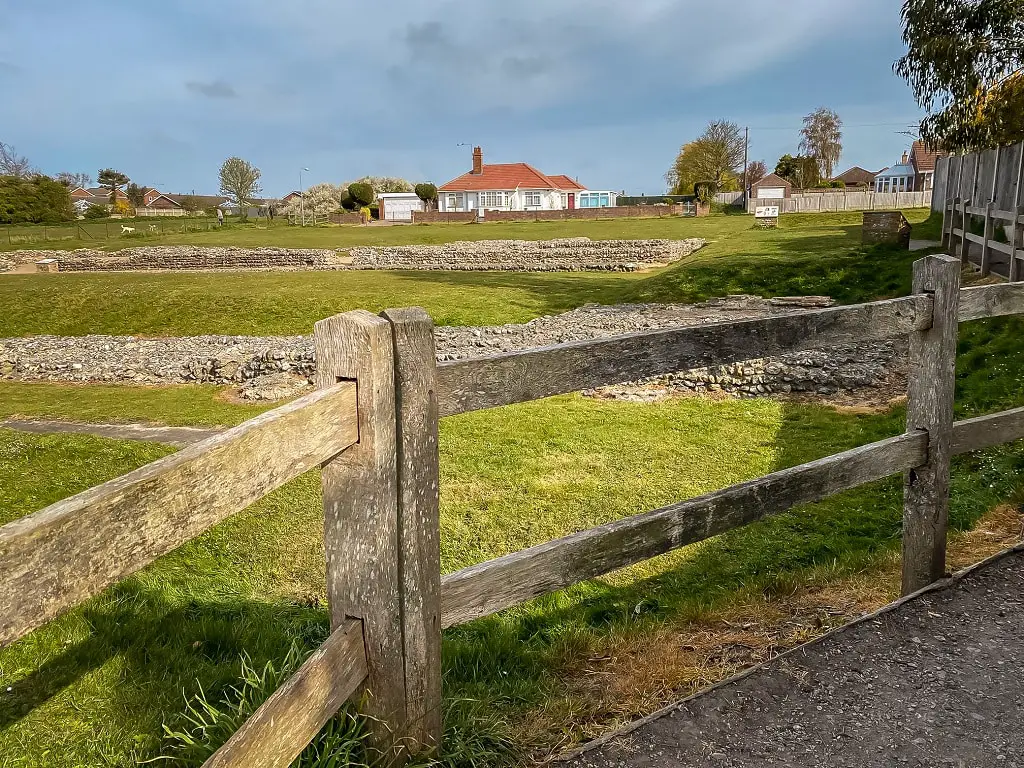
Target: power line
{"x":901,"y":123}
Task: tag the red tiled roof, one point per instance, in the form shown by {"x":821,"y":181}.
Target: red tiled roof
{"x":565,"y":183}
{"x":923,"y":157}
{"x":508,"y":176}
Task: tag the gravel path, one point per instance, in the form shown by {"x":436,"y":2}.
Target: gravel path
{"x":936,"y":682}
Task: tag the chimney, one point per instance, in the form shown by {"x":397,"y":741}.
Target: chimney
{"x":905,"y":156}
{"x":478,"y":161}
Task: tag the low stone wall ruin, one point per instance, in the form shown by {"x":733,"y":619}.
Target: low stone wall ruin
{"x":243,"y":359}
{"x":570,"y":254}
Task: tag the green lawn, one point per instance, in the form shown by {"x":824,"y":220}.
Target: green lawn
{"x":808,"y":254}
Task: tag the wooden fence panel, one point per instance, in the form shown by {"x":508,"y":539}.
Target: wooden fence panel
{"x":497,"y":584}
{"x":360,"y":491}
{"x":486,"y":382}
{"x":54,"y":559}
{"x":931,"y":383}
{"x":987,"y":431}
{"x":280,"y":729}
{"x":990,"y":301}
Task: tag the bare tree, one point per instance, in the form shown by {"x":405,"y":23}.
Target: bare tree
{"x":756,"y":171}
{"x":74,"y":180}
{"x":822,"y":138}
{"x":13,"y":164}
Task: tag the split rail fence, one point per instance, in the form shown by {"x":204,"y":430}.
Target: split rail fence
{"x":372,"y":428}
{"x":983,"y":191}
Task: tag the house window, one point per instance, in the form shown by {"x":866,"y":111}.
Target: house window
{"x":565,"y":200}
{"x":453,"y":202}
{"x":492,"y":199}
{"x":531,"y":199}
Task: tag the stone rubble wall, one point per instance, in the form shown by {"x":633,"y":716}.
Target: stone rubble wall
{"x":565,"y":254}
{"x":571,"y":254}
{"x":240,"y":359}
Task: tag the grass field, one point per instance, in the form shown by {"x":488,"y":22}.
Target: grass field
{"x":808,"y":254}
{"x":96,"y":686}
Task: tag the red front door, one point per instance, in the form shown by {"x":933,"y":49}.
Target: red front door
{"x":572,"y":200}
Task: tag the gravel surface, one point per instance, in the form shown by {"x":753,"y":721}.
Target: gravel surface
{"x":264,"y":364}
{"x":936,"y":682}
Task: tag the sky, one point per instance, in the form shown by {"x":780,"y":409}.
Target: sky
{"x":602,"y":90}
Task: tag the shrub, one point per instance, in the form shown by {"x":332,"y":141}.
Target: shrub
{"x":96,"y":212}
{"x":705,"y":191}
{"x":124,"y":208}
{"x":426,"y":192}
{"x":33,"y":199}
{"x":362,"y":193}
{"x":365,"y":214}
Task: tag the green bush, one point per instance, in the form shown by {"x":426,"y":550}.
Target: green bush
{"x":34,"y":200}
{"x":97,"y":212}
{"x":426,"y":192}
{"x":361,"y":192}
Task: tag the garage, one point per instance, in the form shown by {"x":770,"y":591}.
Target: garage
{"x":771,"y":187}
{"x":771,"y":193}
{"x":398,"y":206}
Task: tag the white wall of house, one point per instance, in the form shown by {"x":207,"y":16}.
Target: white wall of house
{"x":503,"y":200}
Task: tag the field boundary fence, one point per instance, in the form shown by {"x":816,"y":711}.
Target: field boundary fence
{"x":372,"y":429}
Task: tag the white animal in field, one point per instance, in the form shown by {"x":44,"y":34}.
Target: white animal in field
{"x":152,"y":227}
{"x":127,"y":230}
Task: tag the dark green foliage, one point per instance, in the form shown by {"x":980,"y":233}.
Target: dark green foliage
{"x":361,"y":192}
{"x":705,"y":191}
{"x":97,"y":212}
{"x":800,"y":171}
{"x":33,"y":199}
{"x":959,"y":51}
{"x":347,"y":202}
{"x":136,"y":194}
{"x":426,"y":192}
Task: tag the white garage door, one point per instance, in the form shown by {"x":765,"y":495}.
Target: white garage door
{"x":773,"y":193}
{"x":401,"y":210}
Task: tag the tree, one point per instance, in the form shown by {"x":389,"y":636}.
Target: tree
{"x":74,"y":180}
{"x":239,"y":183}
{"x":799,"y":170}
{"x":34,"y":199}
{"x":13,"y":164}
{"x":426,"y":192}
{"x":124,"y":208}
{"x":755,"y":172}
{"x":960,"y":53}
{"x":97,"y":212}
{"x":382,"y":184}
{"x":319,"y":200}
{"x":715,"y":155}
{"x":136,"y":195}
{"x":189,"y":203}
{"x":112,"y":180}
{"x":362,"y":193}
{"x":822,"y":138}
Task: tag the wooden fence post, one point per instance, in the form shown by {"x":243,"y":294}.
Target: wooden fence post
{"x":931,"y":383}
{"x":947,"y":223}
{"x":965,"y":244}
{"x":419,"y":526}
{"x":360,"y":491}
{"x":986,"y":251}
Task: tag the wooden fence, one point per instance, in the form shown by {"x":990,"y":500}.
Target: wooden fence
{"x":844,"y":200}
{"x":980,"y":196}
{"x":372,"y":428}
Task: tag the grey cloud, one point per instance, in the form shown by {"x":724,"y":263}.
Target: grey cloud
{"x":217,"y":89}
{"x":525,"y":67}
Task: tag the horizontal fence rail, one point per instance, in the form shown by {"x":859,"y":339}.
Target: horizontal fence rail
{"x":280,"y":729}
{"x":487,"y":382}
{"x":489,"y":587}
{"x":61,"y":555}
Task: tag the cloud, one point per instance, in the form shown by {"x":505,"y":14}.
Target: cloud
{"x":218,"y":89}
{"x":6,"y":68}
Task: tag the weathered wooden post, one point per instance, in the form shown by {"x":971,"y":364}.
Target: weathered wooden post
{"x":419,"y":533}
{"x":360,"y":490}
{"x":965,"y":244}
{"x":986,"y":251}
{"x":932,"y":379}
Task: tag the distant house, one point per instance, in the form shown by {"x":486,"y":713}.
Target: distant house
{"x":857,"y":177}
{"x":915,"y":172}
{"x":293,"y":195}
{"x":516,"y":187}
{"x":771,"y":187}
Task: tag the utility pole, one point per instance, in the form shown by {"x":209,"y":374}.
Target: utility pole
{"x":302,"y":196}
{"x":746,"y":147}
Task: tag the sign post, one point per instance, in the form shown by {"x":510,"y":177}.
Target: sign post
{"x":767,"y":216}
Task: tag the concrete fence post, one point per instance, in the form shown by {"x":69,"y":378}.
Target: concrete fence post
{"x":932,"y":379}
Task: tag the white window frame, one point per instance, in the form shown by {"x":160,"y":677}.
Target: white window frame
{"x":493,"y":199}
{"x":532,"y":199}
{"x":452,"y":203}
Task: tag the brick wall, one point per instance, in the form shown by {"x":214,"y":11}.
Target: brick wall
{"x":618,"y":212}
{"x":345,"y":218}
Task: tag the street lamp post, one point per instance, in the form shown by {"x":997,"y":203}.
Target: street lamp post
{"x":302,"y":198}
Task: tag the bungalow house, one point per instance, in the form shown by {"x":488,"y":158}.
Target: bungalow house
{"x":857,"y":177}
{"x":915,"y":172}
{"x":771,"y":187}
{"x":516,"y":187}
